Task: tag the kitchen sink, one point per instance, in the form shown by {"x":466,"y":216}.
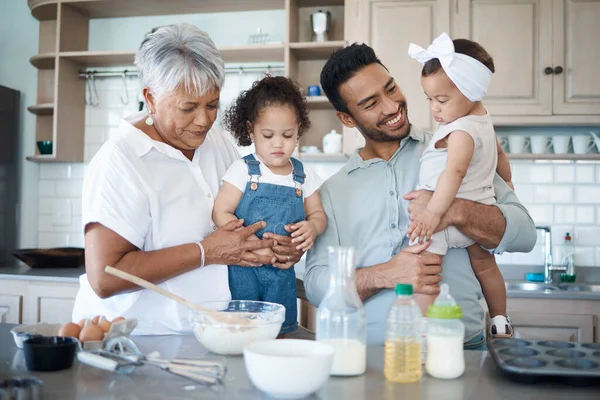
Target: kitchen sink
{"x":531,"y":286}
{"x":544,"y":287}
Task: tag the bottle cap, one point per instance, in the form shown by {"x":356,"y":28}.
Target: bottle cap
{"x":444,"y":306}
{"x":404,"y":289}
{"x":568,"y":236}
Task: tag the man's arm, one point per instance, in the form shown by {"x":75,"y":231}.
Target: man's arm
{"x":505,"y":226}
{"x":408,"y":266}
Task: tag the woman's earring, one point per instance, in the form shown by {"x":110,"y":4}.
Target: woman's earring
{"x":149,"y":121}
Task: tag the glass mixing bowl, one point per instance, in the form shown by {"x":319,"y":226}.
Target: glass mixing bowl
{"x":222,"y":337}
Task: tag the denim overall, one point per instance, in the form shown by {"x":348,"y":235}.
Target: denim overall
{"x":278,"y":206}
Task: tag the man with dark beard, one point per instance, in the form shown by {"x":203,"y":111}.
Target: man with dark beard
{"x":369,"y":202}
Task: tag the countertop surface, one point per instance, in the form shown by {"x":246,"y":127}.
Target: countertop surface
{"x":481,"y":380}
{"x":23,"y":272}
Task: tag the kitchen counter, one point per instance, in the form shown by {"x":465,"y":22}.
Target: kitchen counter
{"x":481,"y":379}
{"x":23,"y":272}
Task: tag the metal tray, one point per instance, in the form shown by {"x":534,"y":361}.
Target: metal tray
{"x":539,"y":360}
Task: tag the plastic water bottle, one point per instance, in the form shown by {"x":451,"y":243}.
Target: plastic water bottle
{"x":445,"y":335}
{"x":567,"y":253}
{"x":402,"y":361}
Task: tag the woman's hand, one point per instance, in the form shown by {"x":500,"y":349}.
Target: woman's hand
{"x":231,"y":245}
{"x":304,"y":234}
{"x":285,"y":251}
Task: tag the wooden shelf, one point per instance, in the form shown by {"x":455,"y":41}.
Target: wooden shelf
{"x":557,"y":157}
{"x":322,"y":157}
{"x":319,"y":3}
{"x":99,"y":58}
{"x":315,"y":50}
{"x":43,"y":158}
{"x":41,"y":9}
{"x":44,"y":60}
{"x":42,"y":109}
{"x":253,"y":53}
{"x":545,"y":120}
{"x":318,"y":102}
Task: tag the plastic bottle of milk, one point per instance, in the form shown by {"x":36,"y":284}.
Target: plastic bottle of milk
{"x":445,"y":334}
{"x":341,"y":320}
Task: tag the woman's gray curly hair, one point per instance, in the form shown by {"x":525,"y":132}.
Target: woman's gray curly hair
{"x":179,"y":56}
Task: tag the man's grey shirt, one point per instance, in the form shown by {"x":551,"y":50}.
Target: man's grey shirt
{"x":365,"y":210}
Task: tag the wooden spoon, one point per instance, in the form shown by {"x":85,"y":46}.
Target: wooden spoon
{"x":225,"y":317}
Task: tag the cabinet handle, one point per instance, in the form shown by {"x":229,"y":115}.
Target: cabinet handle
{"x":558,"y":70}
{"x":548,"y":70}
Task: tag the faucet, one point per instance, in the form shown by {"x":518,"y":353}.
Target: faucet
{"x":549,"y":268}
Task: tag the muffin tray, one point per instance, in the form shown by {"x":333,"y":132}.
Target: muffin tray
{"x":536,"y":360}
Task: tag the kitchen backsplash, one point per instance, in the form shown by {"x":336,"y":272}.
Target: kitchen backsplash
{"x":563,"y":195}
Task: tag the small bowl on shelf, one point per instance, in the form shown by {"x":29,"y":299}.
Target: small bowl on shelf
{"x":44,"y":147}
{"x":49,"y":353}
{"x":220,"y":337}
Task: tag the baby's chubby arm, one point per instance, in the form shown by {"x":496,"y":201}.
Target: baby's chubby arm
{"x":305,"y":232}
{"x":460,"y":153}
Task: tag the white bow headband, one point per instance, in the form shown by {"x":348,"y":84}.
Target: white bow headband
{"x":470,"y":76}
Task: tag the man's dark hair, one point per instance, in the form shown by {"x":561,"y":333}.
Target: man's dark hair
{"x":466,"y":47}
{"x":343,"y":65}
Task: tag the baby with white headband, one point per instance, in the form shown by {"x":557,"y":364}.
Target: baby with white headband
{"x":461,"y":160}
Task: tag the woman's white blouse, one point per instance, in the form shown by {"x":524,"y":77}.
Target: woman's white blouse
{"x":153,"y":196}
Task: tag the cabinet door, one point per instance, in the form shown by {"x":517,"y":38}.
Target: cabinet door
{"x":563,"y":327}
{"x":49,"y":302}
{"x":389,"y":26}
{"x":10,"y":308}
{"x":576,"y":50}
{"x":518,"y":35}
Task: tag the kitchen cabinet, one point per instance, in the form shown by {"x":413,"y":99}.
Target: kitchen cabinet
{"x":63,"y":53}
{"x":528,"y":39}
{"x":29,"y":302}
{"x":550,"y":326}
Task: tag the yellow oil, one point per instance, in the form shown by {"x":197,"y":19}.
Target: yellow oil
{"x":402,"y":361}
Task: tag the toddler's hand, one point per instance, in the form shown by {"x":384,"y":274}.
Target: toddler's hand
{"x":304,"y":233}
{"x":422,"y":227}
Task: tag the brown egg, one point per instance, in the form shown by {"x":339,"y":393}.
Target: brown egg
{"x":69,"y":329}
{"x":118,"y":319}
{"x":82,"y":323}
{"x":104,"y":324}
{"x":91,"y":333}
{"x":95,"y":320}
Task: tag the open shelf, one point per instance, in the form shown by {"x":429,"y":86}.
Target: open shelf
{"x":315,"y":50}
{"x":323,"y":157}
{"x":318,"y":102}
{"x":319,"y":3}
{"x":100,"y":58}
{"x":42,"y":158}
{"x":41,"y":109}
{"x":252,"y":53}
{"x":43,"y":60}
{"x":568,"y":156}
{"x":134,"y":8}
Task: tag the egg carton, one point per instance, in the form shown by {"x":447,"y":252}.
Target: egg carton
{"x":120,"y":328}
{"x":542,"y":360}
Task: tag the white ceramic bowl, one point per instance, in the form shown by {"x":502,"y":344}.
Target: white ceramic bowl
{"x":264,"y":322}
{"x":288,"y":368}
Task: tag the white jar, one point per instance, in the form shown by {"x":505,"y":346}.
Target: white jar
{"x":332,"y":142}
{"x":445,"y":335}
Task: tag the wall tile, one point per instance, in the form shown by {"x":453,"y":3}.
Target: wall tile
{"x":76,"y":240}
{"x":55,"y":171}
{"x":524,"y":192}
{"x":535,"y":257}
{"x":557,"y":194}
{"x":505,"y":258}
{"x":45,"y":223}
{"x":45,"y":206}
{"x":587,"y":194}
{"x":587,"y":236}
{"x":584,"y":256}
{"x":564,"y":214}
{"x":585,"y":174}
{"x":585,"y":215}
{"x":558,"y":233}
{"x":94,"y":135}
{"x":541,"y":214}
{"x":597,"y":258}
{"x":69,"y":188}
{"x":46,"y":240}
{"x":46,"y":188}
{"x":564,"y":173}
{"x":77,"y":171}
{"x":62,"y":213}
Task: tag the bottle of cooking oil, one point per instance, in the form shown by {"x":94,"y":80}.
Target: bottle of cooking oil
{"x":402,"y":360}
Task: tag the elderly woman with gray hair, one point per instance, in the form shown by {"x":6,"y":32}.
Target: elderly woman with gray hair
{"x":149,"y":192}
